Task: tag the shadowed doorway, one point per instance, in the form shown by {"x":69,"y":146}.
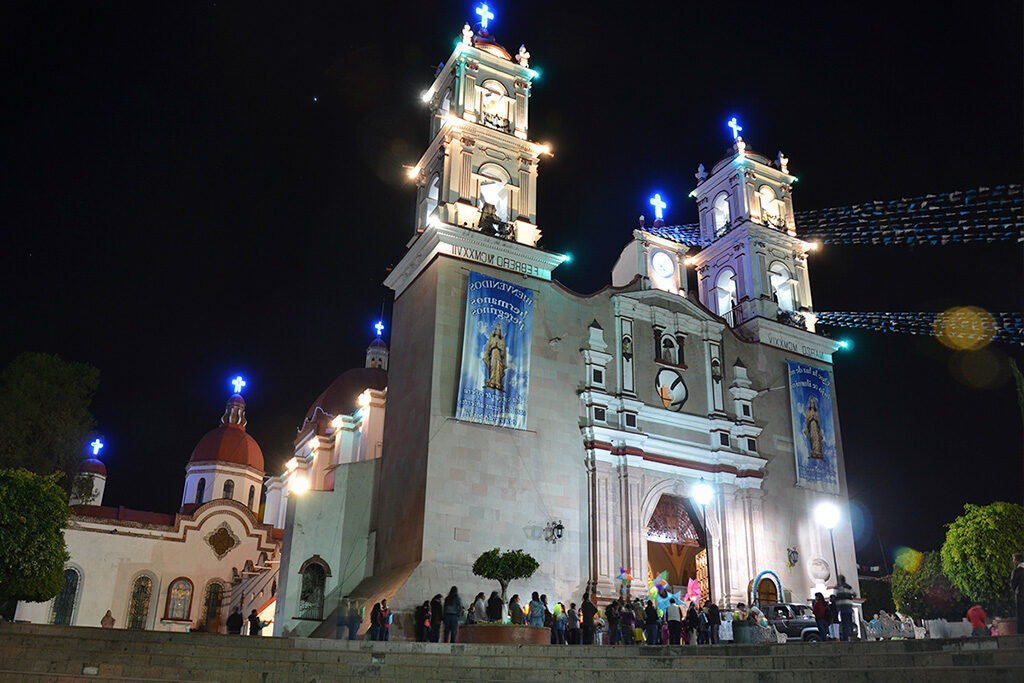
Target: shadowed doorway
{"x":676,"y":545}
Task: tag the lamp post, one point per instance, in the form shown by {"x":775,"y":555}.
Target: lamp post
{"x":703,"y":493}
{"x":827,"y":515}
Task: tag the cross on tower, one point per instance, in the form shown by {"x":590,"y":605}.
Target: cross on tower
{"x":379,"y":326}
{"x":238,"y":383}
{"x":736,"y":128}
{"x":485,"y":15}
{"x":97,"y":446}
{"x":659,"y":205}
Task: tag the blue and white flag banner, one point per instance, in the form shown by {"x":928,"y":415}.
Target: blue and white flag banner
{"x":495,"y":380}
{"x":814,"y":432}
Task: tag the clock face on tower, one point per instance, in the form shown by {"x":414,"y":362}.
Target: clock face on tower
{"x":663,"y":264}
{"x":671,"y":389}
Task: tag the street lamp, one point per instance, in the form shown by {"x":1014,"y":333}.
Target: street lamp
{"x":827,"y":515}
{"x":703,"y":493}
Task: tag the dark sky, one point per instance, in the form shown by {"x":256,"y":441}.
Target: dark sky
{"x":195,"y":190}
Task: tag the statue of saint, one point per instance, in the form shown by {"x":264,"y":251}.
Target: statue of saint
{"x":494,"y":359}
{"x":489,"y":224}
{"x":812,"y":430}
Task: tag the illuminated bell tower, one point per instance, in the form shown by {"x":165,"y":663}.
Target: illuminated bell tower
{"x":754,"y":267}
{"x":480,"y":169}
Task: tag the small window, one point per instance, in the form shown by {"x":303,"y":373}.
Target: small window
{"x":680,"y":357}
{"x":723,"y":439}
{"x":200,"y":490}
{"x":229,"y":490}
{"x":746,"y":410}
{"x":630,"y":420}
{"x":179,"y":600}
{"x":752,"y":445}
{"x":598,"y":376}
{"x":311,"y":595}
{"x":138,"y":604}
{"x":212,"y":603}
{"x":252,"y":496}
{"x":64,"y":604}
{"x":668,"y":350}
{"x":599,"y":414}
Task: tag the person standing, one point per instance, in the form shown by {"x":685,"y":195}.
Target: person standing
{"x":651,"y":627}
{"x":549,"y":619}
{"x":573,"y":624}
{"x":703,"y":629}
{"x":420,"y":618}
{"x":833,"y":617}
{"x":588,"y":611}
{"x":355,"y":618}
{"x":976,"y":615}
{"x":479,"y":611}
{"x":255,"y":625}
{"x":690,"y":625}
{"x":820,"y":610}
{"x":536,"y":613}
{"x":560,"y":620}
{"x":1017,"y":584}
{"x":452,"y":613}
{"x":375,"y":622}
{"x":674,"y":617}
{"x":714,"y":621}
{"x":436,"y":617}
{"x":515,"y":611}
{"x":495,"y":607}
{"x":627,"y":621}
{"x":235,"y":622}
{"x":611,"y":613}
{"x":844,"y":601}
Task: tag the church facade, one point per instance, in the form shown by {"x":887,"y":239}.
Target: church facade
{"x":575,"y":427}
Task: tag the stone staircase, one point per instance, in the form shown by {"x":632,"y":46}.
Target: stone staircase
{"x":30,"y":652}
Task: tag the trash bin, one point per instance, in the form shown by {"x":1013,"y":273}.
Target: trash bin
{"x":742,"y":632}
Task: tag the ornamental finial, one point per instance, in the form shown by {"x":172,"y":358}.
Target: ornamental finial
{"x":467,"y":36}
{"x":701,"y":175}
{"x":523,"y":57}
{"x":783,"y":161}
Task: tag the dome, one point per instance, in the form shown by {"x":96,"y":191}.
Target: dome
{"x":378,"y":343}
{"x":228,"y":443}
{"x":93,"y":466}
{"x":340,"y":397}
{"x":484,"y":42}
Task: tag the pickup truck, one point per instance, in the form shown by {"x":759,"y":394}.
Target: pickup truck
{"x":796,"y":621}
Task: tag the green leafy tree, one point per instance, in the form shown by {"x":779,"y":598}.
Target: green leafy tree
{"x":924,"y":592}
{"x":44,"y":414}
{"x":33,"y":514}
{"x":978,"y":551}
{"x":877,"y":594}
{"x":505,"y":567}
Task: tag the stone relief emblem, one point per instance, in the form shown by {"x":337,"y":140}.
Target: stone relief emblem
{"x":222,"y":540}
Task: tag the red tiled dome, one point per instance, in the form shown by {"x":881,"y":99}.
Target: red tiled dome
{"x":93,"y":466}
{"x":229,"y":443}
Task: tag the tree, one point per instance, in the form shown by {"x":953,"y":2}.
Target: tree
{"x":505,"y":567}
{"x":33,"y":514}
{"x":44,"y":414}
{"x":877,"y":594}
{"x":978,"y":551}
{"x":924,"y":592}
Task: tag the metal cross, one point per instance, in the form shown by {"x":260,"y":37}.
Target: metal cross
{"x":736,"y":128}
{"x":238,"y":383}
{"x":97,"y":446}
{"x":658,"y":205}
{"x":485,"y":15}
{"x":379,"y":326}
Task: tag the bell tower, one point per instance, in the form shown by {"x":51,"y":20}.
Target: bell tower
{"x":480,"y":169}
{"x":754,"y":266}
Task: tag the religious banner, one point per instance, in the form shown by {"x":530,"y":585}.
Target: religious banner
{"x":495,"y":379}
{"x":814,"y":433}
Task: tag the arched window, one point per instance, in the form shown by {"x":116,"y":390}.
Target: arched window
{"x":200,"y":490}
{"x":494,"y":183}
{"x":725,"y":285}
{"x":212,"y":602}
{"x":229,"y":490}
{"x":138,"y":604}
{"x":252,"y":496}
{"x":720,"y":213}
{"x":179,"y":600}
{"x":433,"y":195}
{"x":668,"y":350}
{"x":311,"y":595}
{"x":782,"y":286}
{"x":495,"y":106}
{"x":63,"y":610}
{"x":771,"y":211}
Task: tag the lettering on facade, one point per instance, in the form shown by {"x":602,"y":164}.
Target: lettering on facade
{"x":789,"y":345}
{"x":498,"y":261}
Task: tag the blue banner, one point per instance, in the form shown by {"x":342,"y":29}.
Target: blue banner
{"x":814,"y":433}
{"x":495,"y":379}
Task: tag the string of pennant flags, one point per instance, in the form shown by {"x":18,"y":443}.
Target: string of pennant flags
{"x":984,"y":214}
{"x":980,"y":328}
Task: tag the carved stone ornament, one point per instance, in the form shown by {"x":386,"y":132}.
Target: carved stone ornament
{"x":222,"y":540}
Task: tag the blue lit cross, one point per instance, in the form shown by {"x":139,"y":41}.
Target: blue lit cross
{"x":736,"y":128}
{"x":238,"y":383}
{"x":379,"y":326}
{"x":485,"y":15}
{"x":659,"y":205}
{"x":97,"y":446}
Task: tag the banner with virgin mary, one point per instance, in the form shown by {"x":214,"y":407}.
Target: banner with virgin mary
{"x":494,"y":383}
{"x":814,"y":432}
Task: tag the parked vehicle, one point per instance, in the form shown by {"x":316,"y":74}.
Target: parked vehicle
{"x":796,"y":621}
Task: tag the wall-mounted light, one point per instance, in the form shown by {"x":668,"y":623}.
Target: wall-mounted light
{"x":553,"y":531}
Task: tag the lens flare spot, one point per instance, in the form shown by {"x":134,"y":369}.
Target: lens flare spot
{"x":964,"y":328}
{"x":907,"y":559}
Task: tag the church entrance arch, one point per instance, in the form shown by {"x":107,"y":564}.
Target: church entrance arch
{"x":767,"y":591}
{"x":676,"y":544}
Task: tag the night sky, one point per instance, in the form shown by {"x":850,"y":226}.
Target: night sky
{"x":196,"y":190}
